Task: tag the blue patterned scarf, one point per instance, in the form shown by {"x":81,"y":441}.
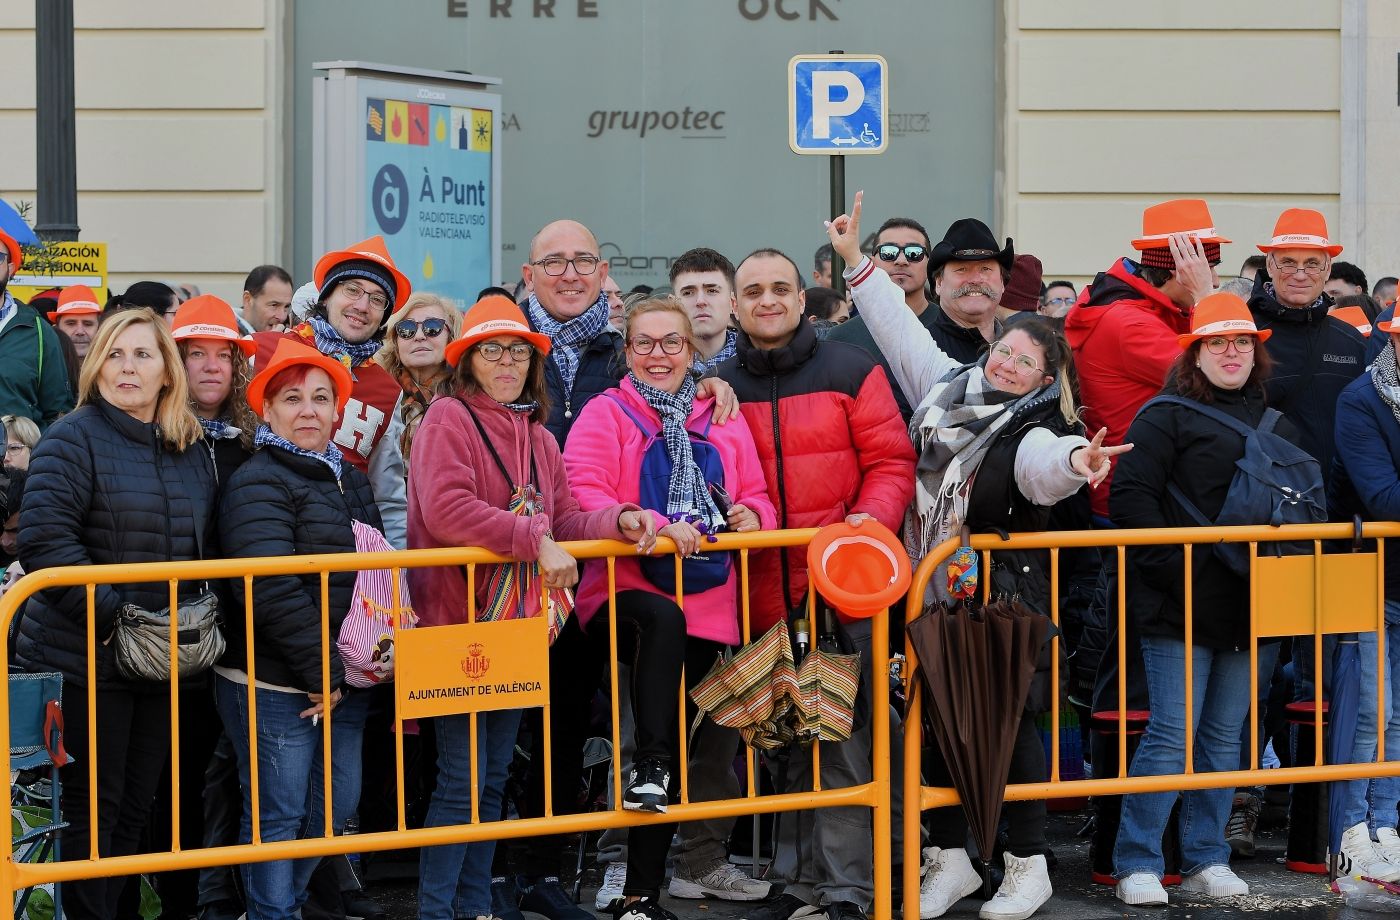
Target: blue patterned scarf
{"x":331,"y":456}
{"x":730,"y":349}
{"x":688,"y":496}
{"x":218,"y":429}
{"x":567,"y":340}
{"x":333,"y":344}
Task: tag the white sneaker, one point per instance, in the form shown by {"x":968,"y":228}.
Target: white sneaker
{"x":950,"y":879}
{"x":1140,"y":889}
{"x":1215,"y":882}
{"x":1024,"y":888}
{"x":930,"y":857}
{"x":614,"y":880}
{"x":724,"y":881}
{"x":1360,"y":857}
{"x":1388,"y":845}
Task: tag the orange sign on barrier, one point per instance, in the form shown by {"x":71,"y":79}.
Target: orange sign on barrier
{"x":472,"y":667}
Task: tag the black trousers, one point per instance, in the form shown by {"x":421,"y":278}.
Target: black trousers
{"x":133,"y":744}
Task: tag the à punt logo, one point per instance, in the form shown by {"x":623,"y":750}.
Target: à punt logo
{"x":475,"y":665}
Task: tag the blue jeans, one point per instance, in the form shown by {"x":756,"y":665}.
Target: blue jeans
{"x":454,"y":880}
{"x":290,"y":784}
{"x":1377,"y":796}
{"x":1221,"y":691}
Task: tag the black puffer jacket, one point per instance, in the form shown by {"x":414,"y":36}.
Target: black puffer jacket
{"x":279,"y":504}
{"x":1175,"y":444}
{"x":104,"y":489}
{"x":600,"y":366}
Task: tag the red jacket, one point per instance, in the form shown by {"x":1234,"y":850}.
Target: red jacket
{"x":1123,"y":332}
{"x":827,"y":408}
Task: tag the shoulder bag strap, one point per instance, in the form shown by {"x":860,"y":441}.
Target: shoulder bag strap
{"x":491,"y":448}
{"x":1229,"y":421}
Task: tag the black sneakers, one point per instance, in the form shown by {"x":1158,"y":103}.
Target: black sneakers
{"x":646,"y":787}
{"x":645,"y":909}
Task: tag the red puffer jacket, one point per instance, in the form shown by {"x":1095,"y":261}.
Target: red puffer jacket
{"x":826,"y":409}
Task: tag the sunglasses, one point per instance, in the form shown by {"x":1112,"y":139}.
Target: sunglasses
{"x":889,"y":252}
{"x":432,"y":328}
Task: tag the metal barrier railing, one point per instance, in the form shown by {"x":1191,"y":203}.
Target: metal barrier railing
{"x":18,"y":876}
{"x":1292,"y":595}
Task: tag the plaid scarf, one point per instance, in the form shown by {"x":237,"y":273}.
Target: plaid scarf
{"x":730,"y":349}
{"x":1386,"y":379}
{"x":688,"y":495}
{"x":567,"y":340}
{"x":332,"y":344}
{"x":331,"y":456}
{"x":955,"y":426}
{"x":218,"y":429}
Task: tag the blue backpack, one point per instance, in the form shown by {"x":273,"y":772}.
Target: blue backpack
{"x":702,"y":571}
{"x":1276,"y":482}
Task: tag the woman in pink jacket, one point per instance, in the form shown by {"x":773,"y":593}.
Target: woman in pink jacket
{"x":650,"y":442}
{"x":477,"y":450}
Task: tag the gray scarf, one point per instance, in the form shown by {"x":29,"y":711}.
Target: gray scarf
{"x":1386,"y":378}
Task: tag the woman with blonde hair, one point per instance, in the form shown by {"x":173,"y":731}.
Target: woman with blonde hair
{"x":414,"y":352}
{"x":113,"y":482}
{"x":21,"y":437}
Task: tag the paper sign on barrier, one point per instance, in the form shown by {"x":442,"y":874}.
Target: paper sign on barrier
{"x":472,"y":667}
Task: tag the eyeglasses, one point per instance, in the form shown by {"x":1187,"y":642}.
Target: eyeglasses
{"x":15,"y":448}
{"x":1216,"y":345}
{"x":520,"y":352}
{"x":671,"y":344}
{"x":1313,"y":268}
{"x":557,"y":265}
{"x":889,"y":252}
{"x":1025,"y":365}
{"x":354,"y":290}
{"x":1060,"y":302}
{"x":432,"y":328}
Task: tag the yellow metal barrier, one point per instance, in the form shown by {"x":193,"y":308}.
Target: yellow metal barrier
{"x":1321,"y":593}
{"x":16,"y":876}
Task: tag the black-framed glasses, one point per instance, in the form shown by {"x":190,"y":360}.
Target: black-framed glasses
{"x":432,"y":328}
{"x":1313,"y":268}
{"x":355,"y":290}
{"x":1217,"y":344}
{"x":557,"y":265}
{"x":890,"y":252}
{"x":644,"y":345}
{"x":520,"y":352}
{"x":1024,"y":364}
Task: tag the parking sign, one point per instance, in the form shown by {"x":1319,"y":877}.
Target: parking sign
{"x":837,"y":103}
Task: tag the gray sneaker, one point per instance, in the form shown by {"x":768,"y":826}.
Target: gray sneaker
{"x":723,"y":881}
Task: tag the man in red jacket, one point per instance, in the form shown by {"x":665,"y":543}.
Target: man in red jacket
{"x":1124,"y":326}
{"x":833,"y":448}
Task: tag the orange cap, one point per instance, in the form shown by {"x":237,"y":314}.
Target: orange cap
{"x":291,"y":352}
{"x":859,"y":570}
{"x":208,"y":317}
{"x":77,"y":298}
{"x":1221,"y":313}
{"x":1301,"y":228}
{"x":492,"y":316}
{"x":1181,"y":215}
{"x":372,"y":250}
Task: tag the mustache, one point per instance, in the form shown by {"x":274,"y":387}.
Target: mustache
{"x":984,"y":290}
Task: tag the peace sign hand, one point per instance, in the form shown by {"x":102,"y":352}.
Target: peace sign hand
{"x":844,"y":233}
{"x":1093,"y":462}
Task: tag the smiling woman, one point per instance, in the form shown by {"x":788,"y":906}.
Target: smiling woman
{"x":414,"y":353}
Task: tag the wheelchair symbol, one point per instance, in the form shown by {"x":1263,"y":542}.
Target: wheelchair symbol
{"x":868,"y":137}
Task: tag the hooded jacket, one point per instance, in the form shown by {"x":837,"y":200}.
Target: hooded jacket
{"x":1315,"y":357}
{"x":1123,"y":332}
{"x":33,"y":377}
{"x":824,"y":412}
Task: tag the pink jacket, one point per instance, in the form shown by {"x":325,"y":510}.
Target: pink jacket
{"x":604,"y":460}
{"x":458,"y":497}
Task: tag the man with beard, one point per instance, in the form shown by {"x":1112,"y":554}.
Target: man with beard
{"x":33,"y":378}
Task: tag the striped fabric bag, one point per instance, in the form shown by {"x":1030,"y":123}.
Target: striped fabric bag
{"x":366,"y":640}
{"x":513,"y":589}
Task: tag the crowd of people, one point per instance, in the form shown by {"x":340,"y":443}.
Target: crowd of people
{"x":949,"y":391}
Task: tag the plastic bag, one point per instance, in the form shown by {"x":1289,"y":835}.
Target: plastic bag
{"x":1363,"y":895}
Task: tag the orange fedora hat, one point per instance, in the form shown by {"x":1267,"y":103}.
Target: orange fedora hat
{"x":208,"y":317}
{"x":859,"y":570}
{"x":1221,"y":313}
{"x":370,"y":250}
{"x":491,"y":316}
{"x":1355,"y":316}
{"x":1181,"y":215}
{"x":1301,"y":228}
{"x":290,"y":353}
{"x":77,"y":298}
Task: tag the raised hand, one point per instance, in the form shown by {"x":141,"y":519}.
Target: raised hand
{"x":844,"y":233}
{"x":1093,"y":462}
{"x":1192,"y":270}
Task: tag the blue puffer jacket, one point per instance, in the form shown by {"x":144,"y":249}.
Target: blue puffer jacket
{"x":1366,"y":472}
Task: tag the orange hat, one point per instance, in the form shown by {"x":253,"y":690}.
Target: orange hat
{"x":1301,"y":228}
{"x":291,"y":352}
{"x":208,"y":317}
{"x":1182,"y":215}
{"x":491,"y":316}
{"x":1386,"y":325}
{"x":16,"y":254}
{"x":859,"y":570}
{"x":1355,"y":316}
{"x":381,"y":268}
{"x":1221,"y":313}
{"x":77,"y":298}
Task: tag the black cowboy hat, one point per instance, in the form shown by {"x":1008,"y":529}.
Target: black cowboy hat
{"x":969,"y":240}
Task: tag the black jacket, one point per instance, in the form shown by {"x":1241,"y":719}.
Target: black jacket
{"x":600,"y":366}
{"x":1175,"y":444}
{"x":1315,"y":357}
{"x":103,"y":489}
{"x":279,"y":504}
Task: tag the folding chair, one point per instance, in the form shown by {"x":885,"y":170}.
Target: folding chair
{"x":36,"y":753}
